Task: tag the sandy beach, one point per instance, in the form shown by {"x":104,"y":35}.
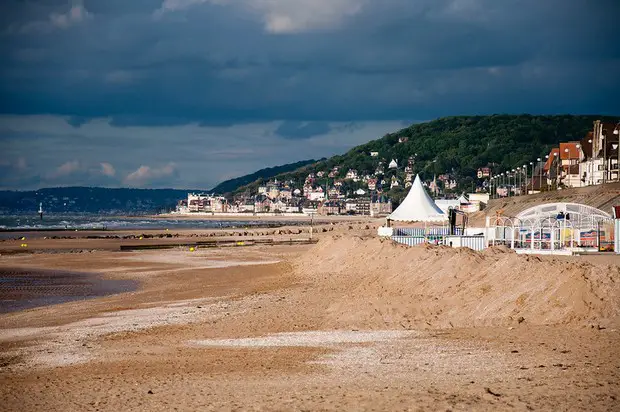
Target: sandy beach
{"x":350,"y":323}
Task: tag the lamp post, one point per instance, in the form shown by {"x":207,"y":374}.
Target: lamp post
{"x":578,"y":146}
{"x":540,"y":173}
{"x":502,"y":180}
{"x":532,"y":178}
{"x":557,"y":170}
{"x":514,"y":177}
{"x":590,"y":164}
{"x":525,"y":170}
{"x":546,"y":159}
{"x":508,"y":182}
{"x":518,"y":181}
{"x":617,"y":133}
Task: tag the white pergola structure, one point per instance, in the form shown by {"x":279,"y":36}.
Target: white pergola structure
{"x":553,"y":227}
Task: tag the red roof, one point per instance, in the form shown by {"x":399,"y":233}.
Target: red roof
{"x":549,"y":161}
{"x":572,"y":153}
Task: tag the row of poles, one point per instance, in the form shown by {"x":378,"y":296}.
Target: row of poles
{"x":523,"y":176}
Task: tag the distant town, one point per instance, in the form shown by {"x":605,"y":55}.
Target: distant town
{"x":324,"y":193}
{"x":591,"y":161}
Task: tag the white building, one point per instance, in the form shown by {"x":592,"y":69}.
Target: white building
{"x":316,"y":195}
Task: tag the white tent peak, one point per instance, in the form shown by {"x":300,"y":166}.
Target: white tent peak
{"x":418,"y":206}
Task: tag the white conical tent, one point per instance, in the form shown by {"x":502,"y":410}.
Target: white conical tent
{"x":418,"y":206}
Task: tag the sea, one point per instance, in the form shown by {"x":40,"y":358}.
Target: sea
{"x":11,"y":223}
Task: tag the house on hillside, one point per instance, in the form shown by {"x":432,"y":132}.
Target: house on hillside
{"x":600,"y":150}
{"x":393,"y":164}
{"x":372,"y":184}
{"x":394,"y":183}
{"x":483,"y":173}
{"x":333,"y":192}
{"x":374,"y":154}
{"x":352,"y":174}
{"x":334,"y":172}
{"x":286,"y":194}
{"x":571,"y":156}
{"x":316,"y":195}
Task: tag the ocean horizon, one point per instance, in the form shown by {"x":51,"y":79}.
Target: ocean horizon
{"x":107,"y":222}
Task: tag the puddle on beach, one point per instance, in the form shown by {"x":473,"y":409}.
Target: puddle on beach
{"x":25,"y":289}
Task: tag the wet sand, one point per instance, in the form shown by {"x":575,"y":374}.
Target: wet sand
{"x":230,"y":329}
{"x":24,"y":289}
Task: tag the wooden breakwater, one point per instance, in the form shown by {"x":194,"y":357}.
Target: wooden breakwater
{"x":219,"y":243}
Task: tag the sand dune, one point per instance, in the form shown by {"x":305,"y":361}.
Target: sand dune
{"x":375,"y":283}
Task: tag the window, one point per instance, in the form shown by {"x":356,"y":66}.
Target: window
{"x":601,"y":167}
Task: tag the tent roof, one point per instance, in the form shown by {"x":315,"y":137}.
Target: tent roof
{"x":418,"y":206}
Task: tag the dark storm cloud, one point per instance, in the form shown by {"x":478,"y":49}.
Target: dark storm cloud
{"x":301,"y":130}
{"x":188,"y":92}
{"x":391,"y":59}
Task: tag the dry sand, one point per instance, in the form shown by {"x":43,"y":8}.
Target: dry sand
{"x":352,"y":323}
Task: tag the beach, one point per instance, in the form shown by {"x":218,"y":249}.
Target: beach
{"x":348,"y":323}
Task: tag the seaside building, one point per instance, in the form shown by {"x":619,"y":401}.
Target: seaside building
{"x":201,"y":203}
{"x":571,"y":157}
{"x":316,"y":195}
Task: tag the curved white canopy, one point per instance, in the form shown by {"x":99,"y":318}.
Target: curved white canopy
{"x":418,"y":206}
{"x":552,"y":209}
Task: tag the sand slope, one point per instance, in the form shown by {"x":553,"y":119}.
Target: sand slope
{"x":373,"y":283}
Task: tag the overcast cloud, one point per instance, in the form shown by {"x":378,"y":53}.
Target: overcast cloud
{"x":186,"y":93}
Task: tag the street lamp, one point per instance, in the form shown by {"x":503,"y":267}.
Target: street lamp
{"x":501,"y":181}
{"x":557,"y":170}
{"x":540,"y":173}
{"x":546,"y":159}
{"x":525,"y":170}
{"x":617,"y":133}
{"x":578,"y":146}
{"x":591,"y":164}
{"x":532,"y":178}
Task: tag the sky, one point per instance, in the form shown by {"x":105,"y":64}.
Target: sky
{"x":187,"y":93}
